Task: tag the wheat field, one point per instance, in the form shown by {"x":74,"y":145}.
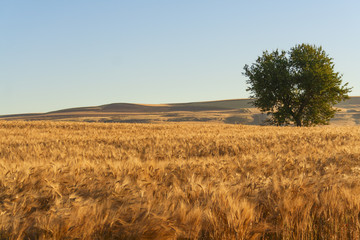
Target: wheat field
{"x":63,"y":180}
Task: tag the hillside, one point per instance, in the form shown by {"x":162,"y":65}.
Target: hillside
{"x":227,"y":111}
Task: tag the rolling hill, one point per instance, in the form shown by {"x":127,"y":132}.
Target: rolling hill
{"x":236,"y":111}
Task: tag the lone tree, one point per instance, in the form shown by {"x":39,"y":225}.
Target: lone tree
{"x":296,"y":87}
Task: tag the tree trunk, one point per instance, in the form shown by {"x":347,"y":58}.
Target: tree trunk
{"x":298,"y":122}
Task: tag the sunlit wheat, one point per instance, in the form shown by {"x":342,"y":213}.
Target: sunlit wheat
{"x":178,"y":181}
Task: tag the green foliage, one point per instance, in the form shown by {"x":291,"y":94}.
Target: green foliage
{"x":296,"y":87}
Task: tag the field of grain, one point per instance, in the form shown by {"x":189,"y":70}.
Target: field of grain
{"x":63,"y":180}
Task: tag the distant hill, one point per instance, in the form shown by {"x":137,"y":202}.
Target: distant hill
{"x":239,"y":111}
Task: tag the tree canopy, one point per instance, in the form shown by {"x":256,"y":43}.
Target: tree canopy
{"x":297,"y":87}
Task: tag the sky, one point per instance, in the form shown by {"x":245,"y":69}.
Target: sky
{"x":63,"y":54}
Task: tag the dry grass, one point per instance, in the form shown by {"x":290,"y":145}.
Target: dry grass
{"x":236,"y":111}
{"x":178,"y":181}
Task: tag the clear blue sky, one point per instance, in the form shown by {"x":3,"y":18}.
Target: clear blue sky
{"x":71,"y":53}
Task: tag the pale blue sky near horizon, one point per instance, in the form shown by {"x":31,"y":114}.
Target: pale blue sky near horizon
{"x":63,"y":54}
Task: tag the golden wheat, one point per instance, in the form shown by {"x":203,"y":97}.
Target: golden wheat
{"x":178,"y":181}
